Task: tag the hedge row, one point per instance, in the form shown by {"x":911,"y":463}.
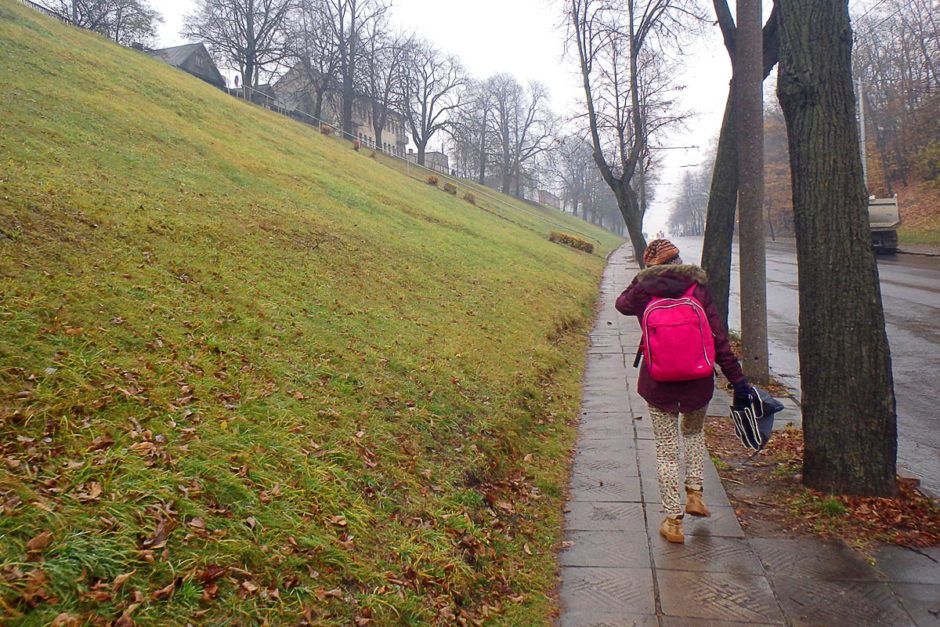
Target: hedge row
{"x":571,"y":240}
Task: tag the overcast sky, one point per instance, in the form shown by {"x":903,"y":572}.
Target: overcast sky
{"x":522,"y":37}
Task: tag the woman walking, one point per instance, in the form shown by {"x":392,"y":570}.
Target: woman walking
{"x":679,"y":403}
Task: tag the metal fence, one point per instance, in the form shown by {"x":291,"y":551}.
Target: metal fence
{"x":47,"y":11}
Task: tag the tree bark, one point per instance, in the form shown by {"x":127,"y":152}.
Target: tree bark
{"x":723,"y":195}
{"x":722,"y":200}
{"x":848,"y":403}
{"x":749,"y":110}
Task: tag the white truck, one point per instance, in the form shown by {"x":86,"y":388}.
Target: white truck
{"x":884,"y":219}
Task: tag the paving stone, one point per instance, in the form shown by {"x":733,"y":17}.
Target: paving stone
{"x":593,"y":466}
{"x":672,"y":621}
{"x":714,"y":492}
{"x":725,"y":597}
{"x":612,"y":488}
{"x":920,"y":600}
{"x":608,"y":591}
{"x":903,"y":565}
{"x":813,"y":601}
{"x":594,"y":432}
{"x":605,"y":350}
{"x":616,"y":420}
{"x":606,"y":402}
{"x":723,"y":523}
{"x":606,"y":549}
{"x":620,"y":415}
{"x":587,"y":516}
{"x":606,"y":447}
{"x":705,"y":554}
{"x":606,"y":361}
{"x":719,"y":405}
{"x":605,"y":340}
{"x":605,"y":371}
{"x":598,"y":619}
{"x":811,"y":558}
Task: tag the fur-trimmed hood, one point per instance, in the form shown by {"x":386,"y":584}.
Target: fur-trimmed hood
{"x":689,"y":270}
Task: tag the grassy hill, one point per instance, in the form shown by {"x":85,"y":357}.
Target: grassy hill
{"x":248,"y":374}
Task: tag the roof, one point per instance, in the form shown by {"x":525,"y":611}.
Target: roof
{"x":176,"y":55}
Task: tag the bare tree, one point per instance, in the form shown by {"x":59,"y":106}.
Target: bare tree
{"x":574,"y":166}
{"x":850,"y":425}
{"x":383,"y":72}
{"x":431,"y":90}
{"x":687,"y":216}
{"x":244,"y":35}
{"x":523,"y":125}
{"x":132,"y":21}
{"x":349,"y":21}
{"x":897,"y":59}
{"x":470,"y":129}
{"x":617,"y":43}
{"x":124,"y":21}
{"x":313,"y":51}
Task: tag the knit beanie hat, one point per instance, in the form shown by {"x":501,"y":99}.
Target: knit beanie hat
{"x":660,"y":251}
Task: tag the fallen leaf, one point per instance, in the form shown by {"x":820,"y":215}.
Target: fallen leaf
{"x":528,"y":551}
{"x":39,"y":542}
{"x":163,"y":593}
{"x":197,"y":523}
{"x":210,"y":591}
{"x":158,"y":539}
{"x":65,"y":620}
{"x":120,"y":580}
{"x":125,"y":620}
{"x":340,"y":521}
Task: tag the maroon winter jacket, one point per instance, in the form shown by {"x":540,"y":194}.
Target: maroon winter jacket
{"x":671,"y":281}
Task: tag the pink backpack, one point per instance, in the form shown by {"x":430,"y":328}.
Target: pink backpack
{"x":677,"y":339}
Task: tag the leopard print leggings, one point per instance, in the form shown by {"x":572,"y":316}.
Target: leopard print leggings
{"x":667,"y":454}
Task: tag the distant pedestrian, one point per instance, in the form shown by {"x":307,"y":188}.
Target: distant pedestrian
{"x":671,"y":400}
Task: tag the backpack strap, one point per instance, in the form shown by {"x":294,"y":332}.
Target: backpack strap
{"x":689,"y":292}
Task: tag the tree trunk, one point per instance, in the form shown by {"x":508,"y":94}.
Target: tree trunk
{"x":848,"y":404}
{"x":421,"y":150}
{"x":749,"y":110}
{"x":719,"y":225}
{"x":722,"y":198}
{"x":629,"y":205}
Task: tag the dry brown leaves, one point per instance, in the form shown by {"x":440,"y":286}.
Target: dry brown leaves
{"x":767,"y":491}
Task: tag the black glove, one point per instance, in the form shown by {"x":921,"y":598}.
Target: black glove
{"x":742,"y":392}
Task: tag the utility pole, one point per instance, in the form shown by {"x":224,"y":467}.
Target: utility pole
{"x":861,"y":134}
{"x":749,"y":104}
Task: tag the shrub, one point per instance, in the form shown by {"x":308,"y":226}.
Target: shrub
{"x":326,"y":129}
{"x":470,"y":198}
{"x":432,"y":180}
{"x":450,"y":188}
{"x":572,"y":241}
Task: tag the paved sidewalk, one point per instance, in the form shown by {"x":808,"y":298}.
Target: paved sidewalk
{"x":617,"y":570}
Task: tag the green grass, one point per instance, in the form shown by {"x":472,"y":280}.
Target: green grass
{"x":926,"y":235}
{"x":248,"y":374}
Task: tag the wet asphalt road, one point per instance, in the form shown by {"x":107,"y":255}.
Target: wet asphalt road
{"x":910,"y":289}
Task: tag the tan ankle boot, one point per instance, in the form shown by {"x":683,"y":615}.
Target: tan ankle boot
{"x":671,"y":529}
{"x":694,"y":504}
